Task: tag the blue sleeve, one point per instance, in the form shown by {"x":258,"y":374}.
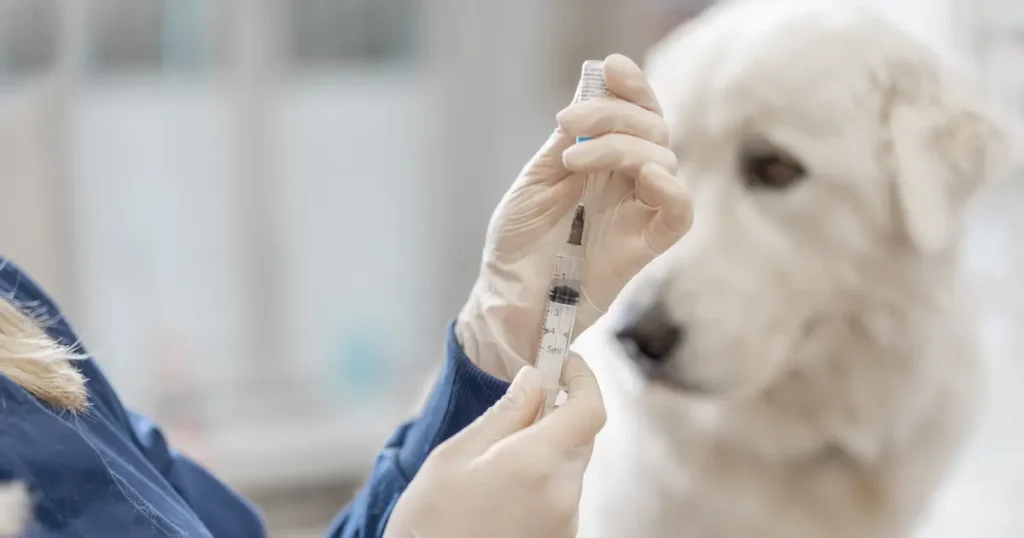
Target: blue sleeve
{"x":462,"y":393}
{"x":222,"y":511}
{"x":110,"y":469}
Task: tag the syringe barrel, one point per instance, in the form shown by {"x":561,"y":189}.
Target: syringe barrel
{"x":566,"y":285}
{"x":565,"y":277}
{"x":591,"y":85}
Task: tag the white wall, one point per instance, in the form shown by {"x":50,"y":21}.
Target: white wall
{"x":159,"y":234}
{"x":357,"y":308}
{"x":155,"y":230}
{"x":31,"y":221}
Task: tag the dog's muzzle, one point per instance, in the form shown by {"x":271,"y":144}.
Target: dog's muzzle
{"x":650,"y":337}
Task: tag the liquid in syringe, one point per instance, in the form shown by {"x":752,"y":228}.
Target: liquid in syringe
{"x":560,"y":314}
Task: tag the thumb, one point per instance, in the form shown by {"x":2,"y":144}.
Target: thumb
{"x":577,"y":421}
{"x":514,"y":411}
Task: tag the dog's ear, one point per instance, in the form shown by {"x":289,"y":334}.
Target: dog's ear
{"x":943,"y":152}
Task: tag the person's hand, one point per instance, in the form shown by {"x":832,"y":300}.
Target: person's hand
{"x":636,"y":208}
{"x":503,"y":476}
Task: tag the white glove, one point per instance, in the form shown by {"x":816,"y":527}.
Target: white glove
{"x":502,"y":477}
{"x":636,"y":208}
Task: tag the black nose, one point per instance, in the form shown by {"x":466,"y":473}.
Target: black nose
{"x":651,"y":334}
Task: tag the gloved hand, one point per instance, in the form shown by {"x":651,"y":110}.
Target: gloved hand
{"x":502,"y":477}
{"x":636,"y":208}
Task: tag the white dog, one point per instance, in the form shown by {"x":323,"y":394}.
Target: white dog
{"x":801,"y":364}
{"x":15,"y":508}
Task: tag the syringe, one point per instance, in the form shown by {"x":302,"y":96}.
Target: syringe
{"x":564,"y":293}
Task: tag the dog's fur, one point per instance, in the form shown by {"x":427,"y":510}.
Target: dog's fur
{"x":15,"y":508}
{"x":828,"y":374}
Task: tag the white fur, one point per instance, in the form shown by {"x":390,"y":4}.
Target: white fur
{"x":825,"y":322}
{"x":15,"y":509}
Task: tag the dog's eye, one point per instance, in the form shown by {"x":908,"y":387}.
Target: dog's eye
{"x":772,"y":171}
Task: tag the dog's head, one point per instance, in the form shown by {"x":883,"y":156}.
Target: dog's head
{"x":829,"y":155}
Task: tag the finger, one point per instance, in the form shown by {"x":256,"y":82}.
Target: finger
{"x":627,"y":81}
{"x":594,"y":118}
{"x":577,"y":421}
{"x":546,"y":166}
{"x":617,"y":152}
{"x":515,"y":410}
{"x":667,"y":193}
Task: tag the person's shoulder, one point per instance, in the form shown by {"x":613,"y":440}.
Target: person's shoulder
{"x":76,"y":468}
{"x":15,"y":282}
{"x":22,"y":431}
{"x":26,"y":424}
{"x":20,"y":289}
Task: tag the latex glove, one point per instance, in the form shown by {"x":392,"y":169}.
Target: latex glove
{"x":503,"y":476}
{"x":636,"y":208}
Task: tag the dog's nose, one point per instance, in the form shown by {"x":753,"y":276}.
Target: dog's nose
{"x":651,"y":334}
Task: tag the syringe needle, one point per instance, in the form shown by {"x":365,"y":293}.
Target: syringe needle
{"x":578,"y":221}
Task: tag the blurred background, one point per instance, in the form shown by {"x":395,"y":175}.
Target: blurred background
{"x":261,"y":214}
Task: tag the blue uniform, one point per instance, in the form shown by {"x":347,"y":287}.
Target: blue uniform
{"x":110,"y":473}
